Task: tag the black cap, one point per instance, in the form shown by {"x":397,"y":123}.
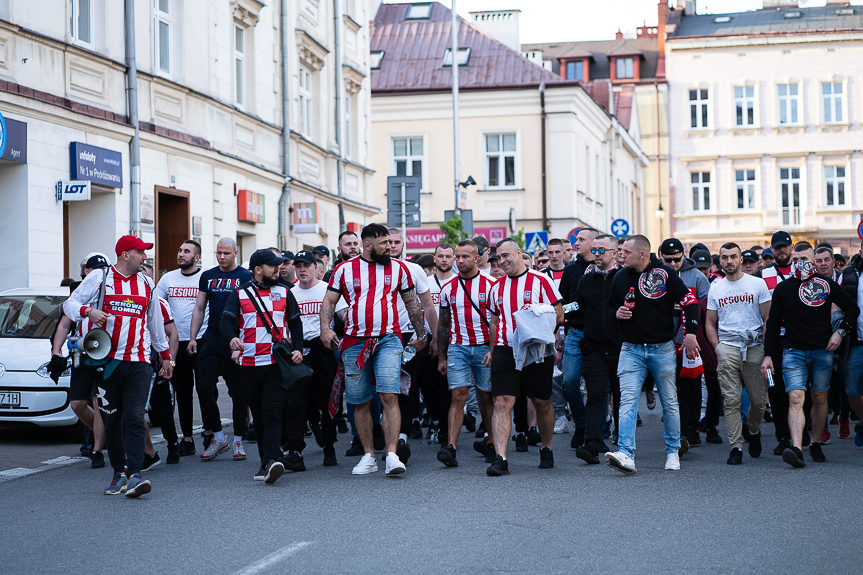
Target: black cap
{"x":699,"y":247}
{"x":321,"y":250}
{"x":480,"y":242}
{"x":702,"y":259}
{"x":305,"y":257}
{"x":839,"y":258}
{"x":766,"y":253}
{"x":494,"y":256}
{"x":670,"y":247}
{"x":265,"y":257}
{"x":288,"y":255}
{"x":749,"y":256}
{"x":96,"y":261}
{"x":781,"y":239}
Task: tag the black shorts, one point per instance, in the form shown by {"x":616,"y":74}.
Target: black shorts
{"x":532,"y":381}
{"x":81,"y":384}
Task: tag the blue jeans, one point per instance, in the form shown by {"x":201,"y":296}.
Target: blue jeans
{"x":854,"y":372}
{"x":572,"y":376}
{"x":636,"y":359}
{"x":464,"y":367}
{"x":381,"y":373}
{"x":800,"y":366}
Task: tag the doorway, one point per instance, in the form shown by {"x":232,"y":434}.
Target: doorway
{"x":172,"y":227}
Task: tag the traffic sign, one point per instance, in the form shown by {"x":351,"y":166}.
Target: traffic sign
{"x":572,"y":235}
{"x":535,"y":241}
{"x":3,"y":135}
{"x":403,"y":189}
{"x":860,"y":230}
{"x":466,"y":220}
{"x":620,"y":228}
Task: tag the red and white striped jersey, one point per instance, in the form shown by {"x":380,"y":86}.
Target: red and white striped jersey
{"x":257,"y":342}
{"x":773,"y":275}
{"x":467,"y":326}
{"x":371,"y":291}
{"x":511,"y":294}
{"x":166,"y":316}
{"x":555,"y":275}
{"x":132,"y":311}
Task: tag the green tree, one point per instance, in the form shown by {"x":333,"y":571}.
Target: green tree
{"x":452,"y":230}
{"x":519,"y":238}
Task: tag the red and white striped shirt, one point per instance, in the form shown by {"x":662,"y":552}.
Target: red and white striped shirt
{"x":511,"y":294}
{"x":132,"y":311}
{"x":257,"y":341}
{"x":773,"y":276}
{"x":371,"y":291}
{"x":467,"y":326}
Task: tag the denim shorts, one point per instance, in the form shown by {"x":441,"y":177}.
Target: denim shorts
{"x":800,"y":366}
{"x":464,"y":367}
{"x":381,"y":372}
{"x":854,"y":372}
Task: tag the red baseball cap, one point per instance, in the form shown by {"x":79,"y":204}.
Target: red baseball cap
{"x":129,"y":243}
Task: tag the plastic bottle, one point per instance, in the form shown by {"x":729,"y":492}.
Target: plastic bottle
{"x":629,"y":300}
{"x":408,"y":354}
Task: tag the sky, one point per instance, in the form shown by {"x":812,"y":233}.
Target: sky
{"x":567,"y":20}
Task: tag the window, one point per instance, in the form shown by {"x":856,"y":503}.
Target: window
{"x":575,"y":70}
{"x":82,"y":21}
{"x":239,"y":62}
{"x":744,"y":105}
{"x":418,"y":11}
{"x":408,"y":156}
{"x":831,"y":96}
{"x":162,"y":42}
{"x":305,"y":102}
{"x":463,"y":56}
{"x":623,"y":68}
{"x":745,"y":180}
{"x":700,"y":191}
{"x":789,"y":103}
{"x":349,"y":130}
{"x":789,"y":184}
{"x":500,"y":160}
{"x":376,"y":57}
{"x":698,"y":104}
{"x":834,"y":184}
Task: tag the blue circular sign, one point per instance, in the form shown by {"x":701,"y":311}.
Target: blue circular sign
{"x":620,"y":228}
{"x":860,"y":230}
{"x":3,"y":135}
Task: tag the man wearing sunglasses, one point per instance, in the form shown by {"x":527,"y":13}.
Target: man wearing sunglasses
{"x":484,"y":251}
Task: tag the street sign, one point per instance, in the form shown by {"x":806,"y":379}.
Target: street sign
{"x":535,"y":241}
{"x":412,"y":219}
{"x":860,"y":230}
{"x":620,"y":228}
{"x":73,"y":191}
{"x":3,"y":135}
{"x":573,"y":233}
{"x":466,"y":220}
{"x":403,"y":190}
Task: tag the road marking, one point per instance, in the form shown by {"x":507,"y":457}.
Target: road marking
{"x":273,"y":558}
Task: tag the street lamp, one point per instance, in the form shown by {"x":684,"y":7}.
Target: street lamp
{"x":660,"y":213}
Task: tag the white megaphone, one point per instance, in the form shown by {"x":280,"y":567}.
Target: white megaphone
{"x":96,"y":344}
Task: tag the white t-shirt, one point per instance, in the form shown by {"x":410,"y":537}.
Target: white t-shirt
{"x":310,"y":301}
{"x":486,"y":272}
{"x":737,"y":305}
{"x":421,"y":282}
{"x":181,"y":293}
{"x":435,"y":286}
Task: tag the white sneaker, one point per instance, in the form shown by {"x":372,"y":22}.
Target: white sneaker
{"x":366,"y":465}
{"x":239,"y":452}
{"x":561,"y":425}
{"x":394,"y":464}
{"x":216,"y":448}
{"x":672,"y":462}
{"x":620,"y":461}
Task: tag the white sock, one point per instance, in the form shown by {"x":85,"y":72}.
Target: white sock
{"x":219,"y":435}
{"x":403,"y":436}
{"x":240,"y":439}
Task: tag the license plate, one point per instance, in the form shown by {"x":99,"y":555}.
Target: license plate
{"x":10,"y":399}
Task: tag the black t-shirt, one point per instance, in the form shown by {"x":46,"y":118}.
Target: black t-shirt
{"x":218,"y":285}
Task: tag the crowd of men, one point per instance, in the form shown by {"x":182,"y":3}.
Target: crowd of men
{"x":473,"y":336}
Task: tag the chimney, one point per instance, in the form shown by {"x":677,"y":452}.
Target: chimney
{"x":767,"y":4}
{"x":689,"y":8}
{"x":618,"y":35}
{"x":663,"y":14}
{"x":502,"y":25}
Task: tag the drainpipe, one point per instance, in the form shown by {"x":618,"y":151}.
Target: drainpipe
{"x":542,"y":118}
{"x":286,"y":132}
{"x":135,"y":144}
{"x":338,"y":111}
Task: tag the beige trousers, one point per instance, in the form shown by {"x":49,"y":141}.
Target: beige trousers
{"x":733,"y":373}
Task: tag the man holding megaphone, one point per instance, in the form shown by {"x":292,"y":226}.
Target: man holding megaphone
{"x":129,"y":310}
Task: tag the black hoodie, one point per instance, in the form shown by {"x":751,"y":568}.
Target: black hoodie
{"x":657,"y":289}
{"x":592,"y":297}
{"x":572,"y":274}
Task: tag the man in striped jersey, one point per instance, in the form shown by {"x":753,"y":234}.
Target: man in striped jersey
{"x":371,"y":349}
{"x":520,"y":289}
{"x":129,"y":312}
{"x":464,"y":355}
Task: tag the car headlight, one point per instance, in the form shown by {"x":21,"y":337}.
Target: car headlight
{"x":43,"y":371}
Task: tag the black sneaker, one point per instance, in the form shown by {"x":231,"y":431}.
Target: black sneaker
{"x":768,"y":416}
{"x":650,"y":396}
{"x":546,"y":458}
{"x":97,"y":460}
{"x":713,"y":436}
{"x":816,"y":453}
{"x":601,"y":447}
{"x":481,"y":447}
{"x":403,"y":451}
{"x":480,"y":430}
{"x":378,"y":438}
{"x":735,"y":458}
{"x":330,"y":456}
{"x":520,"y":443}
{"x":446,"y":455}
{"x":274,"y":470}
{"x":490,"y":453}
{"x":356,"y":448}
{"x":151,"y":462}
{"x":431,"y":431}
{"x":793,"y":457}
{"x":533,"y":436}
{"x":426,"y":420}
{"x":319,"y":435}
{"x":416,"y":430}
{"x":693,"y":437}
{"x":250,"y":434}
{"x":745,"y":431}
{"x":499,"y":466}
{"x":294,"y":462}
{"x":87,"y":439}
{"x":587,"y":453}
{"x":262,"y":472}
{"x":173,"y":457}
{"x":208,"y":439}
{"x":342,"y":426}
{"x":638,"y":422}
{"x":577,"y":438}
{"x":754,"y":444}
{"x":781,"y":447}
{"x":470,"y":422}
{"x":187,"y":447}
{"x":684,"y":446}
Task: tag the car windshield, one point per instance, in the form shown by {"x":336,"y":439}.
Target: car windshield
{"x":29,"y":316}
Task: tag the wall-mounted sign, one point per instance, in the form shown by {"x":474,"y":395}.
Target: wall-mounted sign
{"x":250,"y":207}
{"x":430,"y":237}
{"x":13,"y":140}
{"x":197,"y":226}
{"x":74,"y":191}
{"x":100,"y":166}
{"x":305,"y":218}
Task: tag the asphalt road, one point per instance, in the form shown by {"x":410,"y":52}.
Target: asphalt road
{"x":212,"y":517}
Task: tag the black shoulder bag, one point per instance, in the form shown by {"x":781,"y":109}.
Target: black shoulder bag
{"x":470,"y":299}
{"x":292,"y":373}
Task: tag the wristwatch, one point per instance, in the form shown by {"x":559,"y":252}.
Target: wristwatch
{"x":841,"y":332}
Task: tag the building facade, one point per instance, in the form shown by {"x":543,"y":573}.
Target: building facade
{"x":211,"y":122}
{"x":765,"y":112}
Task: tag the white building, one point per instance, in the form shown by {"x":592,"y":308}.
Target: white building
{"x":210,"y":110}
{"x":765,"y":111}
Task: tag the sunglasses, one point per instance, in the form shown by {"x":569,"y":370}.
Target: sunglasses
{"x":676,"y":260}
{"x":480,"y":252}
{"x":599,"y":251}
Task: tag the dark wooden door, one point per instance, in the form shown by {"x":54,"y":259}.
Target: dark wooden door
{"x":172,"y":227}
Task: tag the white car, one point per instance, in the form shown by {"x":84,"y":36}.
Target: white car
{"x":28,"y":395}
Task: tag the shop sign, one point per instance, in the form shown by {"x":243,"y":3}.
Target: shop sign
{"x":423,"y":238}
{"x":74,"y":191}
{"x":98,"y":165}
{"x":305,"y":218}
{"x":250,"y":207}
{"x":13,"y":140}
